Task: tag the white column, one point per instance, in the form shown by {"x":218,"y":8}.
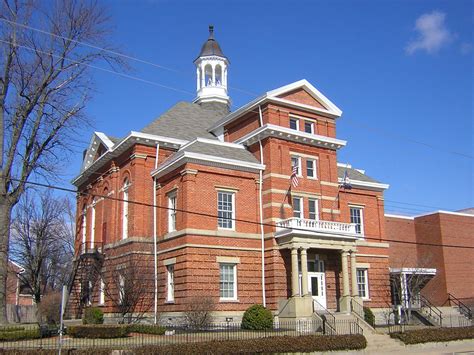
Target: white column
{"x":203,"y":75}
{"x":198,"y":78}
{"x":345,"y":299}
{"x":294,"y":272}
{"x":304,"y":271}
{"x":213,"y":75}
{"x":355,"y":289}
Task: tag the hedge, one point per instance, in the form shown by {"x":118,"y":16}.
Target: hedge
{"x":146,"y":329}
{"x":96,"y":331}
{"x":277,"y":344}
{"x":16,"y":334}
{"x":93,"y":315}
{"x":369,"y":316}
{"x":434,"y":335}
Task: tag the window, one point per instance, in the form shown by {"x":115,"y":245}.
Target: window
{"x":358,"y":219}
{"x":294,"y":124}
{"x":311,"y":168}
{"x":84,"y":228}
{"x":121,"y":289}
{"x":225,"y":209}
{"x":170,"y":283}
{"x":298,"y":207}
{"x":172,"y":212}
{"x":362,"y":283}
{"x":102,"y":292}
{"x":126,"y":185}
{"x":296,"y":161}
{"x":228,"y":281}
{"x":309,"y":127}
{"x":313,"y":209}
{"x":93,"y":215}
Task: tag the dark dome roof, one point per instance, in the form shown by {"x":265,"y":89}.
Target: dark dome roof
{"x":211,"y":47}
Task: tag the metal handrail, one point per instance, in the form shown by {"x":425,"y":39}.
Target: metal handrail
{"x":463,"y":309}
{"x":358,"y":309}
{"x":328,"y":317}
{"x":433,"y":310}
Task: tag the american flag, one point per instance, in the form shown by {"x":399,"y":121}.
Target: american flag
{"x":294,"y":176}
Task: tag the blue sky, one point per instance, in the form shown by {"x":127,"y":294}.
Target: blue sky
{"x":401,"y":71}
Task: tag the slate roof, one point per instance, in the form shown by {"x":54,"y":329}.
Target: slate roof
{"x":185,"y":121}
{"x":353,"y":174}
{"x":211,"y":47}
{"x":221,"y":151}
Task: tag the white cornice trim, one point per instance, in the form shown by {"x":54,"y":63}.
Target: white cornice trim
{"x":190,"y":157}
{"x":332,"y":111}
{"x":131,"y":139}
{"x":366,"y":184}
{"x":399,"y":216}
{"x":413,"y":270}
{"x":291,"y":134}
{"x":445,"y":212}
{"x":212,"y":141}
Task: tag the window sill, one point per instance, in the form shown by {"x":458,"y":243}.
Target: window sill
{"x":226,"y":229}
{"x":169,"y":302}
{"x":229,"y":300}
{"x":312,"y":178}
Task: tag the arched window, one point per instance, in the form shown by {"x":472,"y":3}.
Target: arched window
{"x":105,"y":215}
{"x":84,"y":228}
{"x":208,"y":75}
{"x":93,"y":215}
{"x":218,"y":75}
{"x":126,"y":185}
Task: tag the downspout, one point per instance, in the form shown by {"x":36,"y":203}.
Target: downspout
{"x":154,"y":239}
{"x":262,"y":233}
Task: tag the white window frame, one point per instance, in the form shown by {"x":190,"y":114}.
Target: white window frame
{"x":93,"y":222}
{"x":364,"y":283}
{"x":300,"y":169}
{"x":234,"y":272}
{"x":172,"y":211}
{"x":102,"y":292}
{"x":312,"y":126}
{"x":316,"y":209}
{"x":224,"y":220}
{"x":84,"y":229}
{"x":126,"y":185}
{"x":170,"y":283}
{"x":297,"y":123}
{"x":315,"y":164}
{"x":301,"y":212}
{"x":361,"y":209}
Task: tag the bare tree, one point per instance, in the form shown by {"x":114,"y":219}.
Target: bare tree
{"x":42,"y":242}
{"x":130,"y":289}
{"x":198,"y":313}
{"x":44,"y":87}
{"x":407,"y":281}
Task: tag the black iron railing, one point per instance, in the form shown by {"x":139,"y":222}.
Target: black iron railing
{"x":329,"y":320}
{"x":431,"y":310}
{"x":463,"y":309}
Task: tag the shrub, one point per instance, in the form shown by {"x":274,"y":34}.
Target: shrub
{"x":198,"y":312}
{"x":146,"y":329}
{"x":369,"y":316}
{"x":50,"y":308}
{"x":434,"y":335}
{"x":93,"y":315}
{"x":96,"y":331}
{"x":257,"y":317}
{"x":12,"y":335}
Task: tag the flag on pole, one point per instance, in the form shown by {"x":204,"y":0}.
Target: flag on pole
{"x":346,"y":182}
{"x":294,"y":176}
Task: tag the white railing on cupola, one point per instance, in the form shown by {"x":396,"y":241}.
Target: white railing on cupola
{"x":311,"y":225}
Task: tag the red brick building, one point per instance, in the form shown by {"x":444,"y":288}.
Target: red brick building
{"x":231,"y":222}
{"x":438,"y":244}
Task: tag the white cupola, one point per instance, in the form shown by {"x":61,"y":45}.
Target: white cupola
{"x":211,"y":73}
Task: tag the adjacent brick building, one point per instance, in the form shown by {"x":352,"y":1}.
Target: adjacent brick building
{"x":230,"y":220}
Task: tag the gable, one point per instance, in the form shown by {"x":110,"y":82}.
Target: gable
{"x":301,"y":96}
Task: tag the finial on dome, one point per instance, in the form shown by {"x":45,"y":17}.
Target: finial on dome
{"x":211,"y":31}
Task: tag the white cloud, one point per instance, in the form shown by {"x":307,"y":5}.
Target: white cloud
{"x":432,"y":33}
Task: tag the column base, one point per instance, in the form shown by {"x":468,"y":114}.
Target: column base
{"x":295,"y":308}
{"x":345,"y":304}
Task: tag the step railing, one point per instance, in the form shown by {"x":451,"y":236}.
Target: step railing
{"x":431,"y":310}
{"x":463,"y":309}
{"x":329,"y":320}
{"x":358,"y":309}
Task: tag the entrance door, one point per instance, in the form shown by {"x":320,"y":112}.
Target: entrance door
{"x":317,"y":288}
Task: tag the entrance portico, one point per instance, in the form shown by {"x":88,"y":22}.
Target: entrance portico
{"x":309,"y":288}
